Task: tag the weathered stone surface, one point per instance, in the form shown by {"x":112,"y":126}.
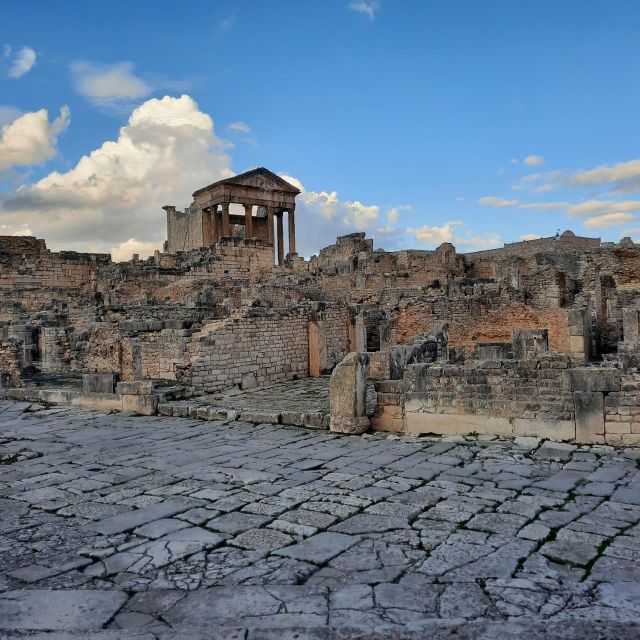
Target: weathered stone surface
{"x":76,"y":610}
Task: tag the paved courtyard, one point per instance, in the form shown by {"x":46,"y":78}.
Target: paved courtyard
{"x":113,"y":526}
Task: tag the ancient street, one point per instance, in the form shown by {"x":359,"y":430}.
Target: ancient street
{"x":176,"y":528}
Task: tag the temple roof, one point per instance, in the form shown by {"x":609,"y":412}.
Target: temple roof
{"x":243,"y":179}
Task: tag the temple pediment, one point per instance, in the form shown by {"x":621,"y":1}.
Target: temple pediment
{"x":259,"y":178}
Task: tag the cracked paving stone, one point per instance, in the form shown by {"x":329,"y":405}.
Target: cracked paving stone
{"x":320,"y":548}
{"x":262,"y":539}
{"x":565,"y":551}
{"x":237,"y":522}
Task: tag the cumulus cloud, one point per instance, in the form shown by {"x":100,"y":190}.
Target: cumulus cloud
{"x":464,"y":240}
{"x":112,"y":86}
{"x":530,"y":236}
{"x":608,"y":220}
{"x":114,"y":194}
{"x":321,"y":216}
{"x":497,"y":202}
{"x":240,"y":127}
{"x":22,"y":62}
{"x":534,"y":161}
{"x":368,"y":8}
{"x":31,"y":139}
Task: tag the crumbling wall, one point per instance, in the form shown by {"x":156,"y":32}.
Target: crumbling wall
{"x":10,"y":362}
{"x":490,"y":315}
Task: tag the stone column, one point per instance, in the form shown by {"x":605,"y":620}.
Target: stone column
{"x":216,"y":223}
{"x":280,"y":238}
{"x":248,"y":221}
{"x":292,"y":230}
{"x":225,"y":219}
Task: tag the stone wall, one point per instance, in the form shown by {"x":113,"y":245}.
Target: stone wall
{"x":488,"y":314}
{"x":250,"y":351}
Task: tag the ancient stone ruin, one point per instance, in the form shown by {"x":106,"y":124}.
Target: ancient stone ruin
{"x":538,"y":338}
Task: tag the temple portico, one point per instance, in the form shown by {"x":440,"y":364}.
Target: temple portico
{"x":264,"y":200}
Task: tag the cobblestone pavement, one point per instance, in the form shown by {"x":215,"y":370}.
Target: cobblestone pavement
{"x":113,"y":526}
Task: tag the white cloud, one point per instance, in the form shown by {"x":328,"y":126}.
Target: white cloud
{"x":534,"y":161}
{"x":464,"y":240}
{"x":608,"y":220}
{"x":368,"y":8}
{"x":31,"y":139}
{"x":622,"y":177}
{"x":435,"y":235}
{"x":394,"y":212}
{"x":240,"y":127}
{"x":497,"y":202}
{"x":125,"y":250}
{"x":530,"y":236}
{"x":112,"y":86}
{"x":114,"y":195}
{"x":22,"y":63}
{"x":321,"y":216}
{"x":592,"y":208}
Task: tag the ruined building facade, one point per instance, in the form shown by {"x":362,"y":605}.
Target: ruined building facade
{"x":536,"y":338}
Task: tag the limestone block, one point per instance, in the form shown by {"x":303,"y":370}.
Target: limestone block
{"x":589,"y":408}
{"x":98,"y":382}
{"x":394,"y":425}
{"x":249,"y":381}
{"x":379,"y":365}
{"x":559,"y":430}
{"x":144,"y":405}
{"x":455,"y":424}
{"x":135,"y":387}
{"x":592,"y":379}
{"x":98,"y":401}
{"x":529,"y":343}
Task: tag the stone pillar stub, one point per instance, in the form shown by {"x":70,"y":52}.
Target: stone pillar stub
{"x":358,"y":334}
{"x":317,"y":348}
{"x":348,"y":395}
{"x":589,"y":408}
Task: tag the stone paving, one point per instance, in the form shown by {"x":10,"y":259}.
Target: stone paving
{"x":114,"y":526}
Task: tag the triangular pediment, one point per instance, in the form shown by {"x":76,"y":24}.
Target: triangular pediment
{"x":259,"y":178}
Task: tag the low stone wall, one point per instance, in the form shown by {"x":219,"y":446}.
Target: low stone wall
{"x":510,"y":397}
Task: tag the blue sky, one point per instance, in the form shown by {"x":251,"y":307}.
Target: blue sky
{"x":476,"y":122}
